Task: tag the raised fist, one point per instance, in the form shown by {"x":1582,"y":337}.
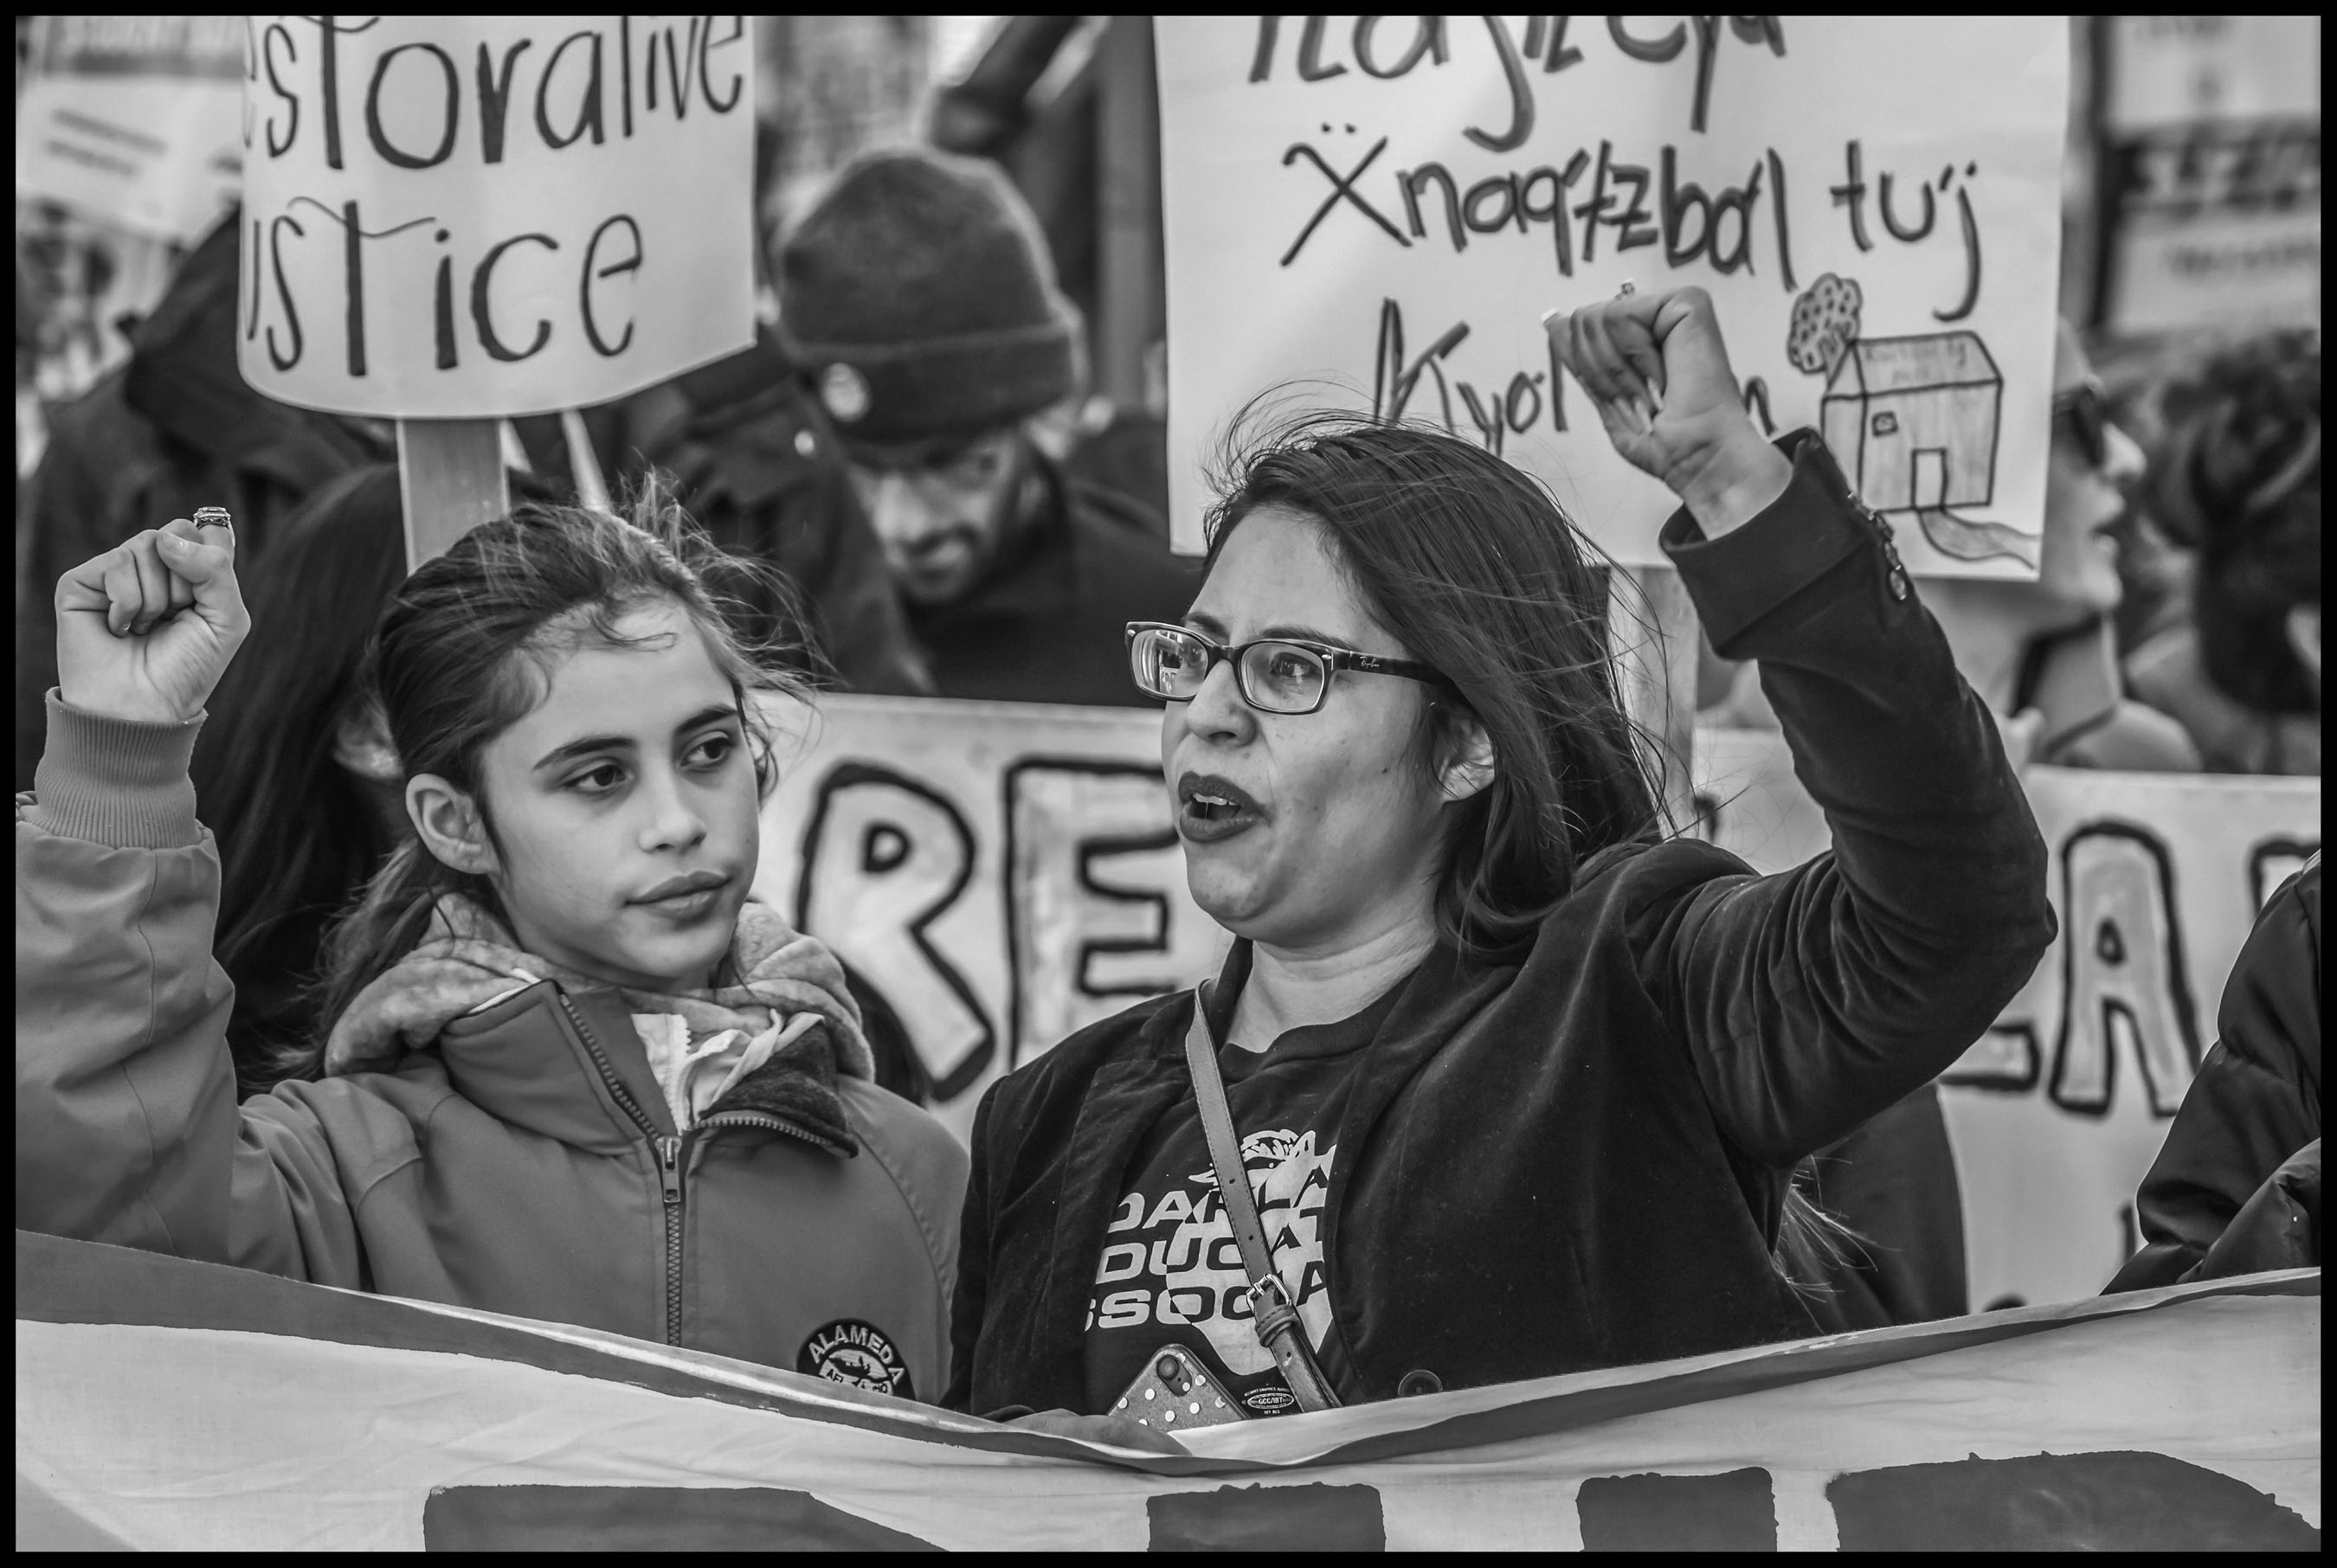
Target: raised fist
{"x":145,"y":630}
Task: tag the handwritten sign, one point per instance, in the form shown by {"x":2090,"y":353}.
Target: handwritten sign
{"x":453,"y":217}
{"x":132,"y":119}
{"x":1376,"y":210}
{"x":1000,"y":875}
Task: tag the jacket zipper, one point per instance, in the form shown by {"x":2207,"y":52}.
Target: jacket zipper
{"x":667,"y":1150}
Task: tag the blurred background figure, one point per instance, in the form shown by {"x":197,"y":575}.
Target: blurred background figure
{"x":919,"y":301}
{"x":173,"y":429}
{"x":2237,"y":1188}
{"x":2237,"y":484}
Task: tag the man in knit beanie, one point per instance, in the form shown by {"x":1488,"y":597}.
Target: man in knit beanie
{"x":917,"y":301}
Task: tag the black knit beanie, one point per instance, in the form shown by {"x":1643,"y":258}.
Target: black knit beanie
{"x":918,"y":297}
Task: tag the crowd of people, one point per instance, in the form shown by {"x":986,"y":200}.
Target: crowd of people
{"x":391,"y":930}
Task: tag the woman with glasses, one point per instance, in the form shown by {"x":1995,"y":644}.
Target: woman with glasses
{"x":1516,"y":1079}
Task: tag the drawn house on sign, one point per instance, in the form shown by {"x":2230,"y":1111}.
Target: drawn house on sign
{"x":1913,"y":421}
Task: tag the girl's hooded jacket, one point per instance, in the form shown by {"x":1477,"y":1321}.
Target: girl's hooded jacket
{"x":714,"y":1171}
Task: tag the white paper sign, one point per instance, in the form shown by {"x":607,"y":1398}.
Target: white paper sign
{"x":1379,"y":209}
{"x":469,"y":217}
{"x":132,"y":119}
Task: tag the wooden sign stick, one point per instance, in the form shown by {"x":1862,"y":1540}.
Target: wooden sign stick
{"x":451,"y":473}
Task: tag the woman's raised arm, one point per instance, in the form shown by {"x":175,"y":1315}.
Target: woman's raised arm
{"x":1816,"y":998}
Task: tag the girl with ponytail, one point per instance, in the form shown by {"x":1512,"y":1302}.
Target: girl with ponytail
{"x":571,"y":1071}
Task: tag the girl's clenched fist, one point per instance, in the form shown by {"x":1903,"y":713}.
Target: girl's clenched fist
{"x":145,"y":630}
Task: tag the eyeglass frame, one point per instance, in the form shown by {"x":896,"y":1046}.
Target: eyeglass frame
{"x":1334,"y":660}
{"x":2088,"y":413}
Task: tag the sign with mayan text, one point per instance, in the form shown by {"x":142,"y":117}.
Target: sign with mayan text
{"x":471,"y":216}
{"x":167,"y":1404}
{"x":132,"y":119}
{"x":2057,"y":1111}
{"x":997,"y":876}
{"x":1375,"y":211}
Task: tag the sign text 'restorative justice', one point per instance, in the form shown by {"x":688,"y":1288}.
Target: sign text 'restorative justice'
{"x":472,"y":217}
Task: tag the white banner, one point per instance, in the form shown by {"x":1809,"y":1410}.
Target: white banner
{"x":1380,"y":209}
{"x":163,"y":1404}
{"x":469,"y":217}
{"x":1003,"y":874}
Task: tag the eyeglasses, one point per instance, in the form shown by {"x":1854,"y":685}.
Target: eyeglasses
{"x":2084,"y":416}
{"x":1274,"y":675}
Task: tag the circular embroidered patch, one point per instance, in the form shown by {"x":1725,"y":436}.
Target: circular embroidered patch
{"x":855,"y":1353}
{"x":844,"y":392}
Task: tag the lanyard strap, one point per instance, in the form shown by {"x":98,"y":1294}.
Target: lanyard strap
{"x":1272,"y":1315}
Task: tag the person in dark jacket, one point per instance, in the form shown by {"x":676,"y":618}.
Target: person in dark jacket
{"x":920,"y":303}
{"x":753,"y":459}
{"x":1520,"y":1080}
{"x":2237,"y":1187}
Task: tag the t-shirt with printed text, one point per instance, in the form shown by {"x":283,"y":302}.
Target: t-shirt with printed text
{"x":1172,"y":1273}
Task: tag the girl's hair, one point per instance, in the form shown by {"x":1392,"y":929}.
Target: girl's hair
{"x":2241,"y":480}
{"x":296,"y":839}
{"x":1472,"y":564}
{"x":462,"y":649}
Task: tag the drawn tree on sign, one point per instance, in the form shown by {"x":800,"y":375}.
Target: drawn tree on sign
{"x":1824,"y":324}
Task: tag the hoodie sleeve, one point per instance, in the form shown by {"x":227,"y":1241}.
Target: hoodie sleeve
{"x":127,"y":1127}
{"x":1813,"y":999}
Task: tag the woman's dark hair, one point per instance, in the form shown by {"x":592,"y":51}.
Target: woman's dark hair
{"x":466,"y":643}
{"x":1470,"y":562}
{"x":2240,"y":479}
{"x":297,"y":840}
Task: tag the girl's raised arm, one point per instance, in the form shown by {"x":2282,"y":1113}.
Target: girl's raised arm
{"x":127,"y":1127}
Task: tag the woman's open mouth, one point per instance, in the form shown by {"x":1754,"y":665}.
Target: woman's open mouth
{"x":1210,"y":808}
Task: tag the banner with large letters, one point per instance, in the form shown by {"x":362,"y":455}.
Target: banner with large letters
{"x":164,"y":1404}
{"x":997,"y":876}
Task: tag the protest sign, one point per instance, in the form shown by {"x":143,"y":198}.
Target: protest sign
{"x":471,"y":216}
{"x":1000,"y":875}
{"x":2210,"y":183}
{"x":1380,"y":209}
{"x":132,"y":120}
{"x":2057,"y":1113}
{"x":169,"y":1404}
